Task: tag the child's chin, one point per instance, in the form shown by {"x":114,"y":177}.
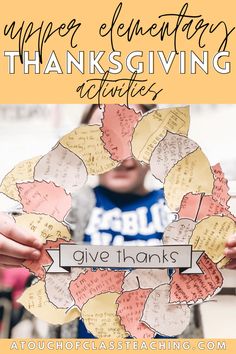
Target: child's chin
{"x":120,"y":187}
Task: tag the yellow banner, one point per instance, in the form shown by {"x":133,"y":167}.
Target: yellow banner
{"x":111,"y":51}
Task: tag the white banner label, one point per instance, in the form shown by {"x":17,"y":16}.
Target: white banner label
{"x":74,"y":255}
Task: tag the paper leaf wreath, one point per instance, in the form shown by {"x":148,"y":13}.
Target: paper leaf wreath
{"x":116,"y":298}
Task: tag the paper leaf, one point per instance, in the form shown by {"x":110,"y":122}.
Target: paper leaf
{"x":63,"y":168}
{"x":221,"y":188}
{"x":44,"y":226}
{"x":165,"y":318}
{"x":210,"y":235}
{"x":93,"y":283}
{"x":189,"y":206}
{"x":178,"y":232}
{"x":171,"y":149}
{"x":208,"y":207}
{"x":130,"y":307}
{"x":37,"y":266}
{"x":192,"y":288}
{"x":86,"y":143}
{"x":100,"y":318}
{"x":152,"y":128}
{"x":35,"y":300}
{"x":145,"y":279}
{"x":23,"y":172}
{"x":191,"y":174}
{"x":118,"y":126}
{"x":57,"y":287}
{"x":199,"y":206}
{"x":45,"y":198}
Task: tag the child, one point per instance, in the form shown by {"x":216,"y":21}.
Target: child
{"x":124,"y":213}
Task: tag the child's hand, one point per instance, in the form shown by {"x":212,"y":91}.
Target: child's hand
{"x":230,"y":251}
{"x":16,"y":244}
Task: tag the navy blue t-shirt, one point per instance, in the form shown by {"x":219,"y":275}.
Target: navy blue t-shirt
{"x":119,"y":219}
{"x":130,"y":219}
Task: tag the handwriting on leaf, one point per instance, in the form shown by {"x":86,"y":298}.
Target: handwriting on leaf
{"x":35,"y":300}
{"x":152,"y":128}
{"x":210,"y":235}
{"x":192,"y":174}
{"x":221,"y":188}
{"x":37,"y":266}
{"x":45,"y":198}
{"x":57,"y":287}
{"x":192,"y":288}
{"x":145,"y":279}
{"x":118,"y":126}
{"x":100,"y":318}
{"x":179,"y":232}
{"x":170,"y":150}
{"x":44,"y":226}
{"x":93,"y":283}
{"x":130,"y":307}
{"x":161,"y":316}
{"x":63,"y":168}
{"x":86,"y":143}
{"x":23,"y":172}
